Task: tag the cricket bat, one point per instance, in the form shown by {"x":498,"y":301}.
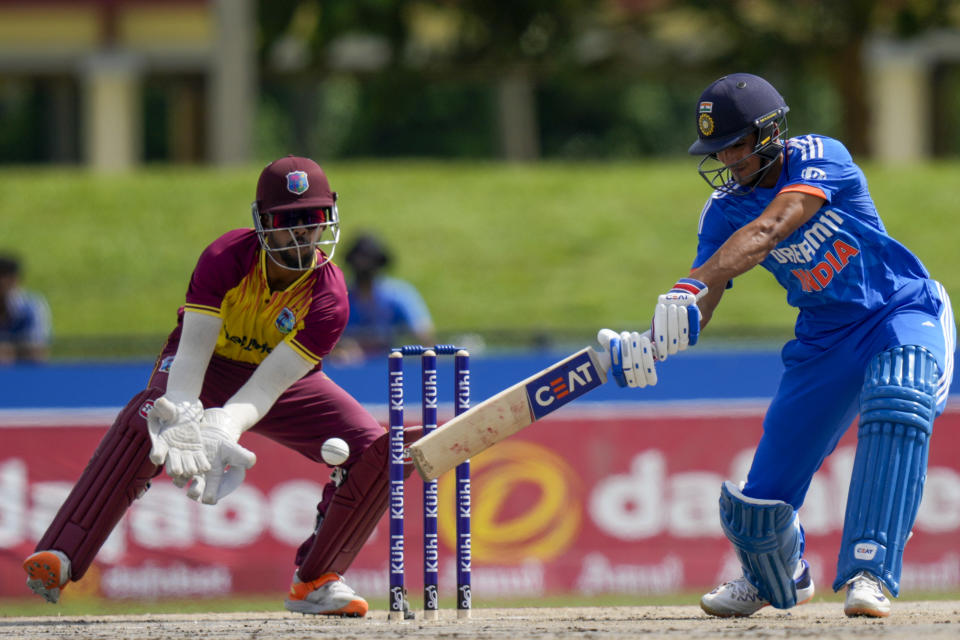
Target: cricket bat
{"x":512,"y":409}
{"x":509,"y":411}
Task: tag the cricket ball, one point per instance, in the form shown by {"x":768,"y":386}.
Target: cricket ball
{"x":335,"y":452}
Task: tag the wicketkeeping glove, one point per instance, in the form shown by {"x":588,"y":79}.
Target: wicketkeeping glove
{"x":676,"y":318}
{"x":631,"y":357}
{"x":229,"y":460}
{"x":175,"y":437}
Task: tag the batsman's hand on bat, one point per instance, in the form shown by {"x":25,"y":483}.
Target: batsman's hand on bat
{"x":676,"y":318}
{"x":632,"y":362}
{"x":174,"y":429}
{"x":229,"y":461}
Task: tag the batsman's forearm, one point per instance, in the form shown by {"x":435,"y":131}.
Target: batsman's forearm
{"x":742,"y":251}
{"x":709,"y":302}
{"x":753,"y":242}
{"x":722,"y":267}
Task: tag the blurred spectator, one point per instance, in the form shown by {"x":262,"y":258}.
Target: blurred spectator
{"x":382,"y":309}
{"x":24,"y":318}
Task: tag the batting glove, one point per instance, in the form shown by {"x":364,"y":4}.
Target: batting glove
{"x":676,"y":318}
{"x":631,"y":357}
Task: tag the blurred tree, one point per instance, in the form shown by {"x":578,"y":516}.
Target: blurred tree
{"x":817,"y":37}
{"x":517,"y":44}
{"x":509,"y":45}
{"x":447,"y":54}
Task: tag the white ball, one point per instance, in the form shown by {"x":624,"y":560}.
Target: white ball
{"x":335,"y":452}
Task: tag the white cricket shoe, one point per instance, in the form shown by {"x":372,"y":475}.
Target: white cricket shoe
{"x":47,"y":573}
{"x":328,"y":595}
{"x":738,"y":598}
{"x":865,"y":597}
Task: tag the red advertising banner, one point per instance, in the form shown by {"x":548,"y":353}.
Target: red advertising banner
{"x":591,"y":501}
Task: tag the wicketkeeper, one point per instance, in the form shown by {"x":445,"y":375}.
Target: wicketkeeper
{"x":264,"y":306}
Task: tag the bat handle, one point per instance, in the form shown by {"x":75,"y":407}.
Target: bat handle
{"x":603,"y":357}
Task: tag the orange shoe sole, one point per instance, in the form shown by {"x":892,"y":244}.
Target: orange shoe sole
{"x":356,"y":609}
{"x":44,"y":567}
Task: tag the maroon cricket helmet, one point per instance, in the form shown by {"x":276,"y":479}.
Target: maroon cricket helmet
{"x":293,"y":183}
{"x":285,"y":187}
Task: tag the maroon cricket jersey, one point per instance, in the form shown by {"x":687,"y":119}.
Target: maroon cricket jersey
{"x":230,"y":282}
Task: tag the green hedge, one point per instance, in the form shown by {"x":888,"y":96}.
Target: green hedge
{"x":510,"y":252}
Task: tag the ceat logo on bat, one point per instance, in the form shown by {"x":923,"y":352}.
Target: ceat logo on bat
{"x":564,"y":383}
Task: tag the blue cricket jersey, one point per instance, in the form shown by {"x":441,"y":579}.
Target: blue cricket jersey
{"x":841,"y":265}
{"x":860,"y":293}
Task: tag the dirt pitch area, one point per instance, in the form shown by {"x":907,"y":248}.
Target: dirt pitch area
{"x":911,"y":620}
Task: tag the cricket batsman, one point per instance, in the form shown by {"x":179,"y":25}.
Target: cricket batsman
{"x":875,"y":336}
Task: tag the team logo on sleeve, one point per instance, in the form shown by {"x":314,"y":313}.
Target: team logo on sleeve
{"x":297,"y":182}
{"x":286,"y":321}
{"x":813,"y":173}
{"x":166,"y":363}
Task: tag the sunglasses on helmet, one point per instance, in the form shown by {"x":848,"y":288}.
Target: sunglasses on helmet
{"x":299,"y":217}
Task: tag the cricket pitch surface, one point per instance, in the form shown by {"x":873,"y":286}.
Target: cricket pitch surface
{"x":914,"y":620}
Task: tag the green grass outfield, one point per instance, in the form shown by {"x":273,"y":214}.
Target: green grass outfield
{"x":84,"y":605}
{"x":552,"y":247}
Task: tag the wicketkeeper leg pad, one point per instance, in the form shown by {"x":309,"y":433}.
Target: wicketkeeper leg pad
{"x":118,"y":473}
{"x":354,"y":511}
{"x":767,"y":538}
{"x":897,"y":408}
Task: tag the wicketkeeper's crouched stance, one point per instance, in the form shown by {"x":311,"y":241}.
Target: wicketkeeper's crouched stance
{"x":262,"y":308}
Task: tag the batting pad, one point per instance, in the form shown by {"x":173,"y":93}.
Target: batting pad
{"x":766,"y":536}
{"x":897,"y":408}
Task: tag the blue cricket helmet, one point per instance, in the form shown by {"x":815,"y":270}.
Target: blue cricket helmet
{"x":734,"y":106}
